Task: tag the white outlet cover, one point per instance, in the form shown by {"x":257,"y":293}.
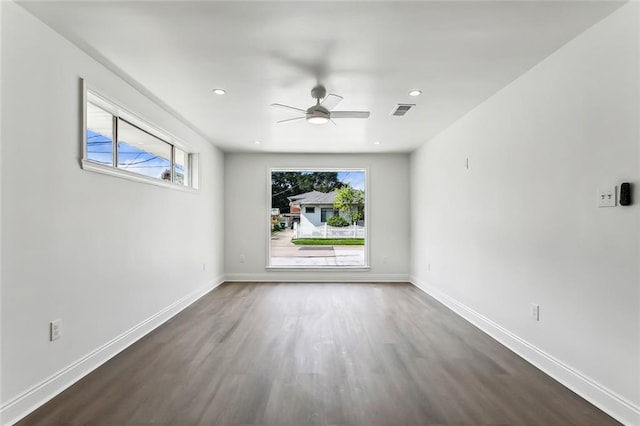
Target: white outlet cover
{"x":55,"y":330}
{"x":607,"y":197}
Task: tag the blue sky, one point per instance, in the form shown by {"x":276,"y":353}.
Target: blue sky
{"x":100,"y":150}
{"x":354,"y":178}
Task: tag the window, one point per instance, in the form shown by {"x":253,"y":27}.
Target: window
{"x":301,"y":238}
{"x":99,"y":135}
{"x":180,"y":166}
{"x":120,"y":144}
{"x":143,"y":153}
{"x":326,"y":213}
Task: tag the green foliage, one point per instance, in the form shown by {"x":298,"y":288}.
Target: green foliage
{"x":328,"y":242}
{"x":275,"y":227}
{"x":350,"y":201}
{"x":337,"y":221}
{"x":286,"y":184}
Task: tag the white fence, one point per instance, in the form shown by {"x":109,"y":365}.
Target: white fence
{"x":326,"y":231}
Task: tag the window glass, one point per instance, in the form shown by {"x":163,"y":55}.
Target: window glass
{"x":142,"y":153}
{"x":180,"y":166}
{"x":118,"y":140}
{"x":303,"y":237}
{"x":325,"y":213}
{"x":99,"y":135}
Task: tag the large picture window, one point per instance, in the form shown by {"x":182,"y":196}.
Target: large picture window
{"x":318,"y":219}
{"x":118,"y":143}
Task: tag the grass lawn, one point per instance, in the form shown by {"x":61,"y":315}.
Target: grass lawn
{"x":328,"y":242}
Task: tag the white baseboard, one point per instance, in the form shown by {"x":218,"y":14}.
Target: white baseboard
{"x":608,"y":401}
{"x":38,"y":395}
{"x":306,"y":276}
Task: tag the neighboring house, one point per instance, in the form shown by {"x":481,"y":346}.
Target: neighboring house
{"x":294,"y":213}
{"x":314,"y":207}
{"x":277,"y":217}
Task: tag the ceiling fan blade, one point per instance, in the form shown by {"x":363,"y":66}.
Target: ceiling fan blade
{"x":330,"y":101}
{"x":289,"y":119}
{"x":349,"y":114}
{"x":289,"y":107}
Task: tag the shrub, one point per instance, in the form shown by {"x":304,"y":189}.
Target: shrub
{"x":337,"y":221}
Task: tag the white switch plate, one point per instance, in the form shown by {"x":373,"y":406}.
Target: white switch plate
{"x":55,"y":330}
{"x":535,"y":312}
{"x":607,"y":197}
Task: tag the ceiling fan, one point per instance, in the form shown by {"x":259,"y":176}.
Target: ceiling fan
{"x":321,"y":112}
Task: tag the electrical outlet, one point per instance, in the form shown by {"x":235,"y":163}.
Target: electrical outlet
{"x":535,"y":312}
{"x":204,"y":267}
{"x":55,"y":330}
{"x":242,"y":258}
{"x":428,"y":267}
{"x":607,"y":197}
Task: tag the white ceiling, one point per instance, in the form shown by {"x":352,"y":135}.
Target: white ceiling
{"x":370,"y":52}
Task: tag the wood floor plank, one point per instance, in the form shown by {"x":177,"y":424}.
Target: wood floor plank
{"x":317,"y":354}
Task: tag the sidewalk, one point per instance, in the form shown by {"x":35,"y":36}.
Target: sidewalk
{"x":285,"y":253}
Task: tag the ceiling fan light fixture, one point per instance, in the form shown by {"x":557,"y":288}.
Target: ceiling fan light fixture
{"x":317,"y":115}
{"x":318,"y":119}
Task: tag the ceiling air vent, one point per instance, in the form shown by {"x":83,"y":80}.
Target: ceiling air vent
{"x":401,"y":109}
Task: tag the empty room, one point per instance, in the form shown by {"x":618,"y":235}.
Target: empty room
{"x":320,"y":213}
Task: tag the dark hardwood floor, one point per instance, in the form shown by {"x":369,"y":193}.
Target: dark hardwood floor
{"x":317,"y":354}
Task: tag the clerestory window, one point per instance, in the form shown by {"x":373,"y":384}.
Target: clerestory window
{"x":118,"y":143}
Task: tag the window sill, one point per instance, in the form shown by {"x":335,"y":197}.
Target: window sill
{"x":112,"y":171}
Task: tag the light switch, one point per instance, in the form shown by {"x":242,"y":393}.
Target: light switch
{"x":607,"y":197}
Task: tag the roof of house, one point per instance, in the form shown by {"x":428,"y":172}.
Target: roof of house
{"x":314,"y":197}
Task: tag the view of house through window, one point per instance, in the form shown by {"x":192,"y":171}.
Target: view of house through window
{"x":318,"y":218}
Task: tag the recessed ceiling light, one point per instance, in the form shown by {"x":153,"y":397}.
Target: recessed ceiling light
{"x":415,"y":92}
{"x":377,"y":143}
{"x":219,"y":91}
{"x":257,"y":142}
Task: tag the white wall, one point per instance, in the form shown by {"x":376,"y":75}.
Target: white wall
{"x":308,"y":220}
{"x":247,"y":208}
{"x":315,"y":219}
{"x":521,"y":224}
{"x":106,"y":255}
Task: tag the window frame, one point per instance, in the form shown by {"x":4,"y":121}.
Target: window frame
{"x":192,"y":172}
